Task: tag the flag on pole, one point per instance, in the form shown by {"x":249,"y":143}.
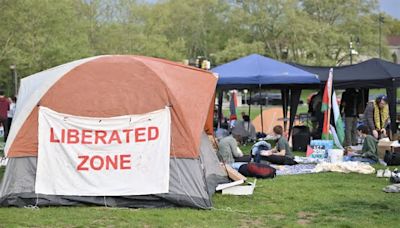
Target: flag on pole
{"x":326,"y":106}
{"x":335,"y":138}
{"x":338,"y":120}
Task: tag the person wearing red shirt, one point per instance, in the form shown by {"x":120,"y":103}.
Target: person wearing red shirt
{"x":4,"y":107}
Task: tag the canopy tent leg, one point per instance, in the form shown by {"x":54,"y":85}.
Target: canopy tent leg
{"x":261,"y":109}
{"x":220,"y":97}
{"x":392,"y":100}
{"x":294,"y":102}
{"x":285,"y":102}
{"x":365,"y":96}
{"x":248,"y":127}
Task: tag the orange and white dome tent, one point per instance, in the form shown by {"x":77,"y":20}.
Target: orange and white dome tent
{"x":110,"y":86}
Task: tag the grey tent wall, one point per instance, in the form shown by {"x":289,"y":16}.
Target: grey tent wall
{"x":294,"y":102}
{"x":392,"y":99}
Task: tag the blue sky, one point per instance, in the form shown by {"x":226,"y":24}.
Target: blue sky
{"x":391,"y":7}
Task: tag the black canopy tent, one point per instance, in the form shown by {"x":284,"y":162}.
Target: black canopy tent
{"x":370,"y":74}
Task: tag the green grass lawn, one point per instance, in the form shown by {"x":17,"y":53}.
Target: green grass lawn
{"x":327,"y":199}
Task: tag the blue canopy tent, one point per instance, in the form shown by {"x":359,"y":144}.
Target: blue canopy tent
{"x":256,"y":71}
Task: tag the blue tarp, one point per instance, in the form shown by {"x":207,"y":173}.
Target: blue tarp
{"x":259,"y":70}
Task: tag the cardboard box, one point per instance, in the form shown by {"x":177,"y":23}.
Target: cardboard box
{"x":241,"y":190}
{"x":233,"y":174}
{"x":383,"y":147}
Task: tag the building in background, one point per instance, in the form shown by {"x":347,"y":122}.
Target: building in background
{"x":394,"y":48}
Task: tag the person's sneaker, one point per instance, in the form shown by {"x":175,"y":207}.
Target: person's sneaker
{"x":379,"y":173}
{"x":387,"y":173}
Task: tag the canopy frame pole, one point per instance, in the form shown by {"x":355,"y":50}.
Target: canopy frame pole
{"x":220,"y":99}
{"x":261,"y":109}
{"x":248,"y":127}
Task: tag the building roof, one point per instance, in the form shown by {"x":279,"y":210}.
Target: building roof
{"x":393,"y":40}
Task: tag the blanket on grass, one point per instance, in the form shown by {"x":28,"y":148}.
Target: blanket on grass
{"x":282,"y":170}
{"x":345,"y":167}
{"x":393,"y":188}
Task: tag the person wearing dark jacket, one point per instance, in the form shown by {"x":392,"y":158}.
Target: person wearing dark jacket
{"x":376,"y":117}
{"x":369,"y":151}
{"x":349,"y":106}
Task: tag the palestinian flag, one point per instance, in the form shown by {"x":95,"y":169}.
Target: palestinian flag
{"x":338,"y":120}
{"x":326,"y":105}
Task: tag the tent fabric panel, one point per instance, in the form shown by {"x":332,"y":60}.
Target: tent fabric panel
{"x":214,"y":174}
{"x":32,"y":90}
{"x":373,"y":73}
{"x":26,"y":141}
{"x":19,"y":176}
{"x":91,"y":89}
{"x":256,"y":69}
{"x":266,"y":80}
{"x":186,"y":188}
{"x":192,"y":90}
{"x":209,"y":125}
{"x":88,"y":90}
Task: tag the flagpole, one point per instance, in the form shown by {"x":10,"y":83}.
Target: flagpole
{"x":326,"y":105}
{"x":330,"y":97}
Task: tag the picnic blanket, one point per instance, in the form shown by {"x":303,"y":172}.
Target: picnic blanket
{"x":345,"y":167}
{"x":282,"y":170}
{"x":309,"y":160}
{"x":393,"y":188}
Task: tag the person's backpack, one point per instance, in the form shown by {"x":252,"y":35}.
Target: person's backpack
{"x":392,"y":158}
{"x":260,"y":135}
{"x":257,"y":170}
{"x":395,"y":177}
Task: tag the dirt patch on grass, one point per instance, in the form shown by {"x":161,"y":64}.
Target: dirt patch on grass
{"x":251,"y":222}
{"x":303,"y":221}
{"x":305,"y":218}
{"x":278,"y":216}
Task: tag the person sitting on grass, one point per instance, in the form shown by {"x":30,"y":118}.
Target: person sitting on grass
{"x":369,"y":151}
{"x":227,"y":149}
{"x":281,"y":154}
{"x":244,"y":130}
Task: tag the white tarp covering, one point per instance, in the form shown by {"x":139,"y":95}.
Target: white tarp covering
{"x":124,"y":155}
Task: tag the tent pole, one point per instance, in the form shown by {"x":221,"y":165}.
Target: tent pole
{"x":284,"y":93}
{"x":261,"y":109}
{"x":220,"y":96}
{"x":249,"y":101}
{"x":248,"y":128}
{"x":392,"y":97}
{"x":294,"y":103}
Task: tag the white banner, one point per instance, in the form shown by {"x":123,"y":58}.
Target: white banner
{"x":124,"y":155}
